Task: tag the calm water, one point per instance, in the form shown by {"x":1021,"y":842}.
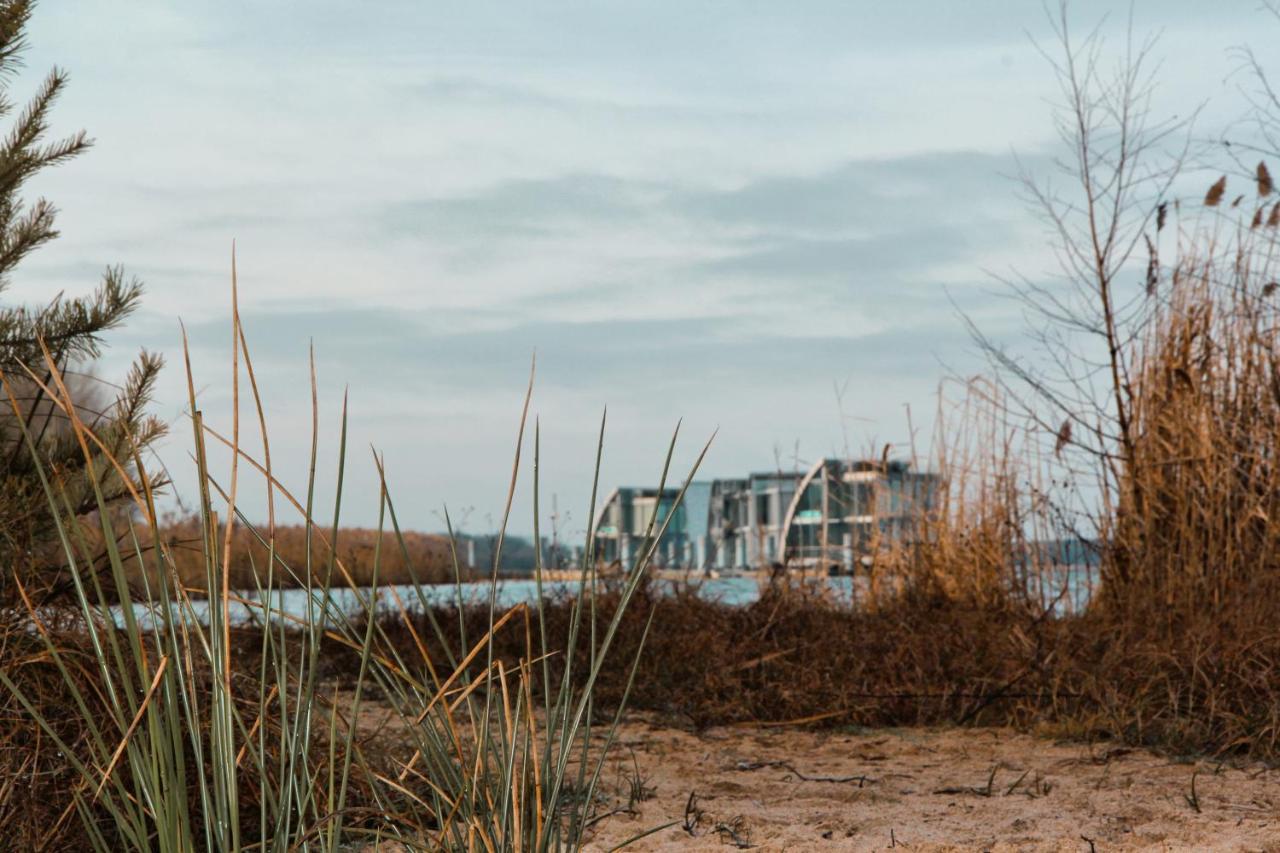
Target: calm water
{"x":736,"y":591}
{"x":293,"y":602}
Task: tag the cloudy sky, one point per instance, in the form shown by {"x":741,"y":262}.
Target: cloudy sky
{"x":707,"y":211}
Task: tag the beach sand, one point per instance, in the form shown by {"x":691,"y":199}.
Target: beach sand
{"x":925,"y":789}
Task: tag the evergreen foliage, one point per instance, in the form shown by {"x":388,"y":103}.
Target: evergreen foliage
{"x":45,"y":352}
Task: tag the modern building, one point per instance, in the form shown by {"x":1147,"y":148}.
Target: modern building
{"x":728,"y":524}
{"x":771,"y":493}
{"x":624,"y":524}
{"x":831,"y":517}
{"x":745,"y":526}
{"x":846,"y":510}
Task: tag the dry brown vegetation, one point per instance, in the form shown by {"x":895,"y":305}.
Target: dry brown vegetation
{"x":426,"y":558}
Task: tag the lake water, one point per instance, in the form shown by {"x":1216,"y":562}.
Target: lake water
{"x":293,"y":602}
{"x":735,"y":591}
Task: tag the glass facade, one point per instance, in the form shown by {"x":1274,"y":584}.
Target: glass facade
{"x":847,"y":510}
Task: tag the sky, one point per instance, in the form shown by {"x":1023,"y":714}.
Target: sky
{"x":713,"y":214}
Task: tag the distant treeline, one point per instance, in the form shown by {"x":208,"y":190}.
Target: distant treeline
{"x":425,"y":557}
{"x":399,"y":559}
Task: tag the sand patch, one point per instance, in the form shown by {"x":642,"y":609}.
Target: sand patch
{"x":926,"y":789}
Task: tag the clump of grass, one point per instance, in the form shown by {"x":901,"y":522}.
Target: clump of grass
{"x":159,"y":725}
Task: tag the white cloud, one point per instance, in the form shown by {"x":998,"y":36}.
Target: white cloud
{"x":709,"y":210}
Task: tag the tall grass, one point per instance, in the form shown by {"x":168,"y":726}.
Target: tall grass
{"x":982,"y":539}
{"x":1194,"y":527}
{"x":1190,"y":527}
{"x":186,"y":733}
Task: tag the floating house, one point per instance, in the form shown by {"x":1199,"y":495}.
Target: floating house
{"x":828,"y":519}
{"x":771,"y":494}
{"x":745,"y":527}
{"x":728,"y":524}
{"x":845,"y":510}
{"x":630,"y":515}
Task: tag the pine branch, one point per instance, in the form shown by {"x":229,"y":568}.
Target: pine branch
{"x":69,"y":331}
{"x":14,"y":15}
{"x":70,"y":328}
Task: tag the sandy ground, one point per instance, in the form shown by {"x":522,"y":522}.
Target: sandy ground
{"x":919,"y":789}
